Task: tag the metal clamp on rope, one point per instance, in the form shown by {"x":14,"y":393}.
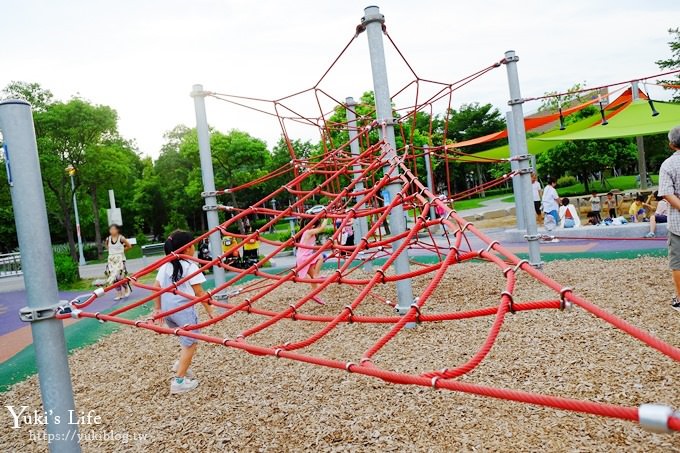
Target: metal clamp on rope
{"x":519,"y":265}
{"x":564,"y":303}
{"x":214,"y":207}
{"x":29,"y":314}
{"x":417,"y":309}
{"x":532,"y":237}
{"x":524,"y":171}
{"x":655,"y":417}
{"x":351,"y":314}
{"x":516,"y":101}
{"x":348,"y":366}
{"x":490,"y":246}
{"x":211,"y":193}
{"x":511,"y":305}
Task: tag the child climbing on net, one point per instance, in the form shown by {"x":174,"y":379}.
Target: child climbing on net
{"x":168,"y":275}
{"x":303,"y":254}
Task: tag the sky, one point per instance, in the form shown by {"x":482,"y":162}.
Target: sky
{"x":143,"y":57}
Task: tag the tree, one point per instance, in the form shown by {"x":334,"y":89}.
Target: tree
{"x":673,"y":62}
{"x":585,"y":157}
{"x":147,"y":200}
{"x":39,"y":97}
{"x":470,"y":121}
{"x":65,"y":133}
{"x":111,"y":164}
{"x":237,"y":159}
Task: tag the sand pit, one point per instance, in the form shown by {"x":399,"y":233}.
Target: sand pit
{"x":249,"y":403}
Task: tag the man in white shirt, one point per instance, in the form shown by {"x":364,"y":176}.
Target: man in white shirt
{"x":551,"y":200}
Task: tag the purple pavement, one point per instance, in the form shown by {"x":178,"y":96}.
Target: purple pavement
{"x":11,"y":302}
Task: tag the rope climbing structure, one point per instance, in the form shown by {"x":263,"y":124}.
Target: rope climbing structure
{"x":369,"y":155}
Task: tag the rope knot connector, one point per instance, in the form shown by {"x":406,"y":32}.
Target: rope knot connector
{"x":564,"y":303}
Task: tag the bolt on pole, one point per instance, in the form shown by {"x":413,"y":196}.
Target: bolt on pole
{"x":208,"y":176}
{"x":373,"y":21}
{"x":430,"y":183}
{"x":30,"y":216}
{"x":514,"y":166}
{"x":362,"y":222}
{"x":517,"y":134}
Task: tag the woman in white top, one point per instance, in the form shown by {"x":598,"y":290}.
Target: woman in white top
{"x":569,"y":217}
{"x":117,"y":245}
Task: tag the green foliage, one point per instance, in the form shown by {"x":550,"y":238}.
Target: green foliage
{"x":674,"y":61}
{"x":566,"y":181}
{"x":37,"y":96}
{"x":585,"y":157}
{"x":176,"y":221}
{"x":66,"y":269}
{"x":142,"y":239}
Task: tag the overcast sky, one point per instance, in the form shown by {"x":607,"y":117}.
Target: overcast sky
{"x":142,"y":57}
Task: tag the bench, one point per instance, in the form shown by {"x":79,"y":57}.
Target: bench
{"x":151,"y":250}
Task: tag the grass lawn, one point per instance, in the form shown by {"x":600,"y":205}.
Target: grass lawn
{"x":619,"y":182}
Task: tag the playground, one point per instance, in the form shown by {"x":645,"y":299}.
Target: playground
{"x":428,"y":331}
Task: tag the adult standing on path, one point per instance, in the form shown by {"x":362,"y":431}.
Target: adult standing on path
{"x":669,"y":188}
{"x":551,"y":200}
{"x":536,"y":191}
{"x":117,"y":245}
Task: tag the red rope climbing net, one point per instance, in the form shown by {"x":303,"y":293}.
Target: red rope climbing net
{"x":353,"y":184}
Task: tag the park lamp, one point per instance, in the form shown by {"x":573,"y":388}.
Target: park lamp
{"x":71,"y":170}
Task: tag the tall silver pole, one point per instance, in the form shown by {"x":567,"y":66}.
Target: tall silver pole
{"x":428,"y":177}
{"x":514,"y":166}
{"x":81,"y":257}
{"x":642,"y":161}
{"x":518,"y":134}
{"x":362,"y":222}
{"x":373,"y":21}
{"x":30,"y":217}
{"x":208,"y":176}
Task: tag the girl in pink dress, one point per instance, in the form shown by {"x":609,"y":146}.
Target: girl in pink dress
{"x":302,"y":255}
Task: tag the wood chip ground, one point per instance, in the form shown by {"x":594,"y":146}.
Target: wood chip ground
{"x":249,"y":403}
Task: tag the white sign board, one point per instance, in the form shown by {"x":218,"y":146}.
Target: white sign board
{"x":114,"y":216}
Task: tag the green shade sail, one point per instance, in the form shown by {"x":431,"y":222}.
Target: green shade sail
{"x":634,"y":120}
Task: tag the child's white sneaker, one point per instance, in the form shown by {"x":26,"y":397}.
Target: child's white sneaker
{"x":189,"y":373}
{"x":650,"y":235}
{"x":182,"y":385}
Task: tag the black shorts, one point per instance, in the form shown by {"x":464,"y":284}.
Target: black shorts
{"x":537,"y":207}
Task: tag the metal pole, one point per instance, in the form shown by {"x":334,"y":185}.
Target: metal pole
{"x":208,"y":177}
{"x":518,"y":134}
{"x":428,"y":171}
{"x":30,"y":217}
{"x":514,"y":166}
{"x":81,"y":257}
{"x":642,"y":161}
{"x":361,"y":222}
{"x":373,"y":21}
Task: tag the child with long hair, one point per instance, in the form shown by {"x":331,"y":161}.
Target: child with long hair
{"x":308,"y":239}
{"x":168,"y":275}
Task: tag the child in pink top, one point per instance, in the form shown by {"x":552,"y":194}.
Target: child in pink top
{"x":302,"y":255}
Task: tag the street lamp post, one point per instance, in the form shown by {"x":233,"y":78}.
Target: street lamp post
{"x":71,"y":172}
